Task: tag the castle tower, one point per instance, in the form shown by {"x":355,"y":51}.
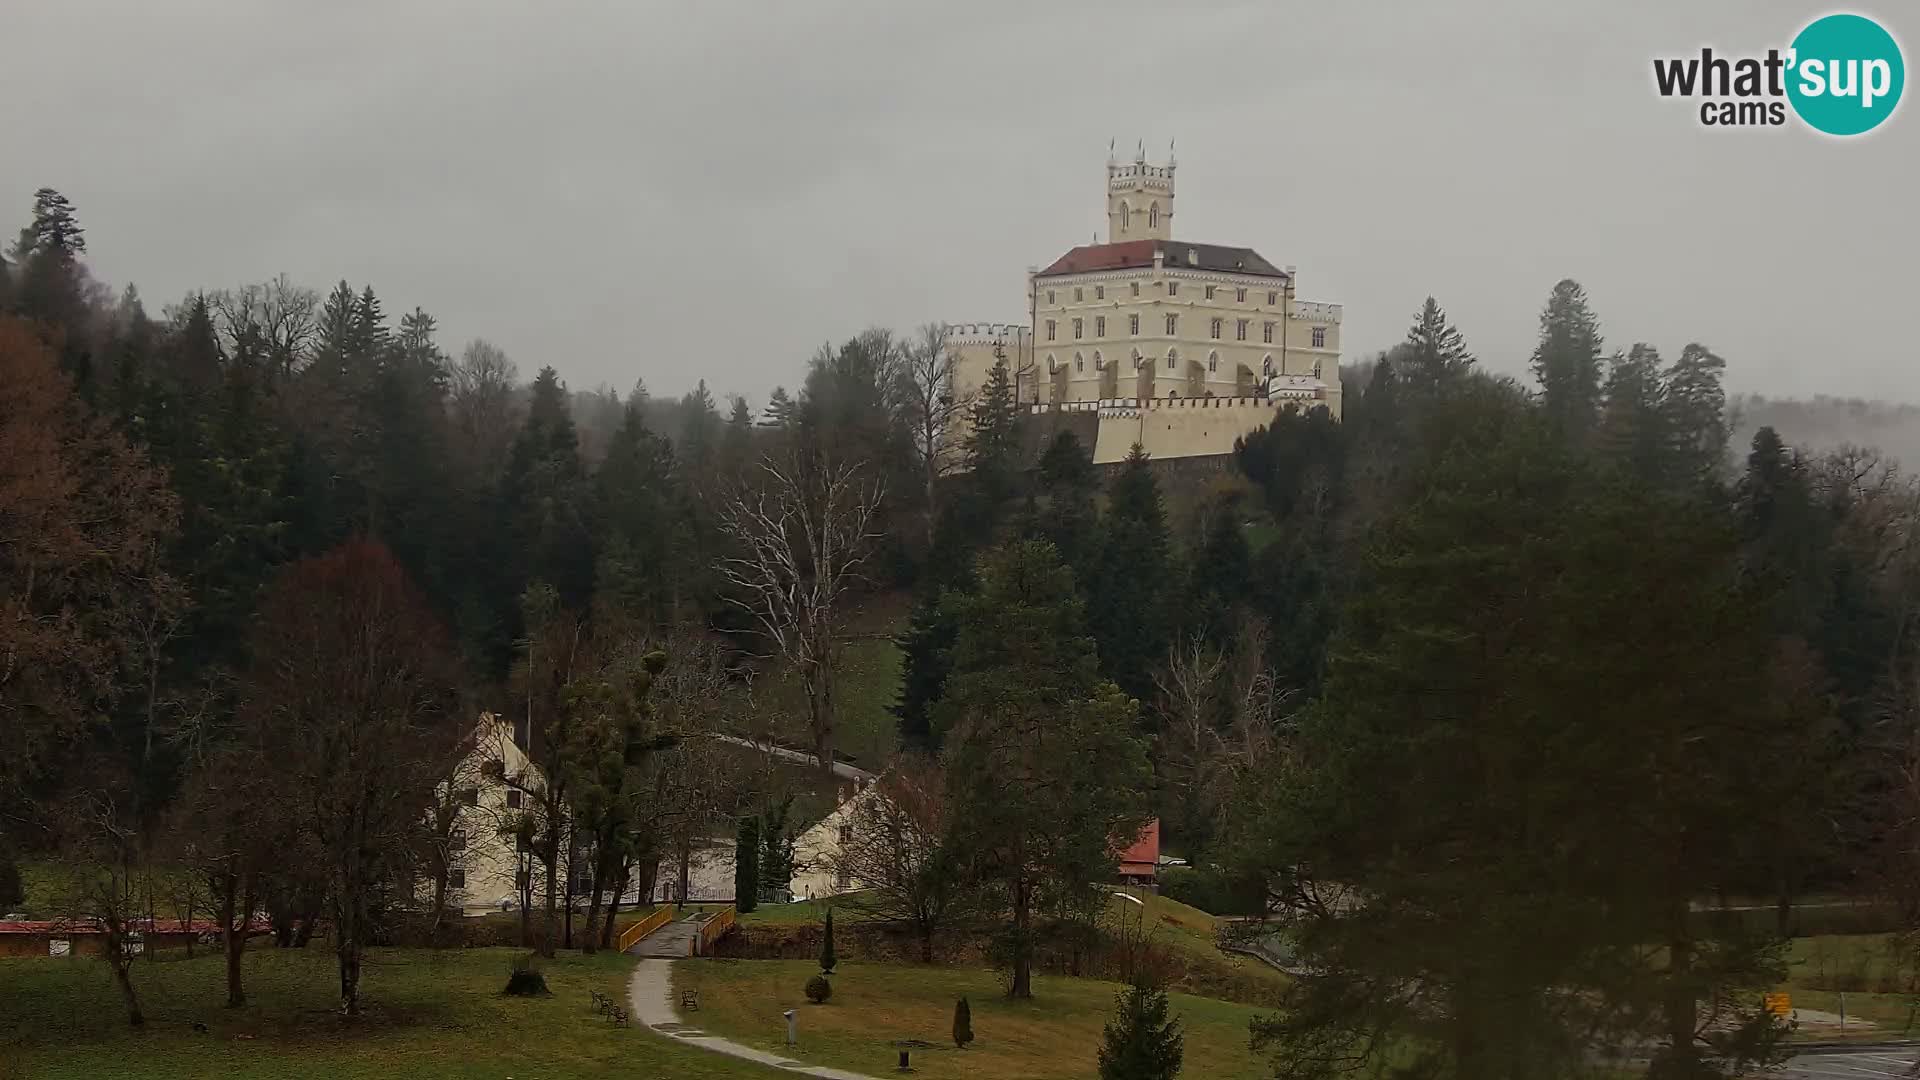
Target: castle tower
{"x":1139,"y":198}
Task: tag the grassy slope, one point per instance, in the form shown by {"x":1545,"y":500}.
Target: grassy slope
{"x":1820,"y":968}
{"x":1053,"y":1037}
{"x":431,"y":1017}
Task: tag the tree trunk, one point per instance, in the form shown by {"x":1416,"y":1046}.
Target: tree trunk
{"x":686,"y":856}
{"x":553,"y":884}
{"x":1021,"y":988}
{"x":525,"y":887}
{"x":120,"y":962}
{"x":591,"y":941}
{"x":613,"y":906}
{"x":926,"y":944}
{"x":233,"y":936}
{"x":439,"y":903}
{"x":1679,"y":1007}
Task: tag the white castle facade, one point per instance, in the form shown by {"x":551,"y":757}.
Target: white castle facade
{"x":1181,"y":347}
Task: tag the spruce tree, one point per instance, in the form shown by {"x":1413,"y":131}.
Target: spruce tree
{"x":1067,"y":485}
{"x":1633,"y":415}
{"x":780,"y":410}
{"x":1141,"y":1042}
{"x":992,"y":452}
{"x":547,"y":500}
{"x":1044,"y":763}
{"x":1435,"y":354}
{"x":746,"y":865}
{"x":1695,"y":410}
{"x":1567,"y":362}
{"x":1127,"y":601}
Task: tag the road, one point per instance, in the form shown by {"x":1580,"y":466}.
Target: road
{"x":1853,"y":1064}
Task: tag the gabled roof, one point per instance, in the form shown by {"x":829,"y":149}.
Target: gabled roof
{"x":1133,"y":254}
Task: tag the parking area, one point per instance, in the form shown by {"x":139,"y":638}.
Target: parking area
{"x":1861,"y":1064}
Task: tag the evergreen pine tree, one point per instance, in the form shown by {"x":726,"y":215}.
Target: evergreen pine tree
{"x":962,"y":1023}
{"x":992,"y":453}
{"x":1141,"y":1042}
{"x":1695,"y":410}
{"x":746,"y":865}
{"x":1217,"y":585}
{"x":1567,"y":362}
{"x":827,"y":959}
{"x":1067,"y":485}
{"x":1126,"y":595}
{"x":547,"y":500}
{"x":1435,"y":353}
{"x":1633,"y":415}
{"x":779,"y":412}
{"x":699,"y":441}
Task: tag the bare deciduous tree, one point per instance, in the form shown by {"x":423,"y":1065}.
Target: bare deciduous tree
{"x":894,"y":847}
{"x":272,"y":322}
{"x":354,"y":677}
{"x":935,"y":408}
{"x":480,"y":396}
{"x":801,"y":536}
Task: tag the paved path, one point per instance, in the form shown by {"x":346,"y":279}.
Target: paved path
{"x":840,"y":768}
{"x":650,"y":996}
{"x":1851,"y":1065}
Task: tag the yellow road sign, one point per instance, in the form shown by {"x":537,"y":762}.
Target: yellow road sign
{"x":1779,"y":1003}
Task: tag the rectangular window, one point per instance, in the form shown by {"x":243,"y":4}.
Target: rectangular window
{"x":1209,"y":292}
{"x":1078,"y":326}
{"x":1078,"y":294}
{"x":1266,"y":333}
{"x":470,"y":796}
{"x":1169,"y":361}
{"x":513,"y":798}
{"x":1136,"y":288}
{"x":1099,"y":292}
{"x":1133,"y":325}
{"x":1319,"y":337}
{"x":1240,"y":331}
{"x":522,"y":843}
{"x":1173,"y":288}
{"x":1240,"y":295}
{"x":1049,"y":296}
{"x":456,"y":878}
{"x":1050,"y":329}
{"x":1216,"y":330}
{"x":1272,"y":298}
{"x":1099,"y":326}
{"x":523,"y":880}
{"x":1173,"y":321}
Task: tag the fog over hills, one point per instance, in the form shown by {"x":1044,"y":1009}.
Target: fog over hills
{"x":1826,"y":423}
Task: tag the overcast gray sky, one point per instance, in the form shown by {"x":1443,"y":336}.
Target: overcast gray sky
{"x":677,"y":190}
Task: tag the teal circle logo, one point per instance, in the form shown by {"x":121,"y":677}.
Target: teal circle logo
{"x":1845,"y":74}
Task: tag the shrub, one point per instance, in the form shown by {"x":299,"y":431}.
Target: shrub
{"x":525,"y":979}
{"x":819,"y":989}
{"x":962,"y":1023}
{"x":1211,"y":890}
{"x":1141,"y":1042}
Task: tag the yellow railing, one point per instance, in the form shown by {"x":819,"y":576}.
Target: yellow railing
{"x":660,"y":917}
{"x":715,"y":928}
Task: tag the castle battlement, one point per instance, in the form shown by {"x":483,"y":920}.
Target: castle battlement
{"x":983,"y":333}
{"x":1315,"y":312}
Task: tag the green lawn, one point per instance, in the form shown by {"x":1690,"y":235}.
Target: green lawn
{"x":430,"y":1017}
{"x":1053,"y":1037}
{"x":1856,"y":972}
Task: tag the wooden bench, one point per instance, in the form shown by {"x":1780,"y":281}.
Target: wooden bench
{"x":619,"y":1015}
{"x":690,"y":1000}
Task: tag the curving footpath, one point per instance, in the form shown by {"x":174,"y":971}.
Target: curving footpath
{"x":650,"y":995}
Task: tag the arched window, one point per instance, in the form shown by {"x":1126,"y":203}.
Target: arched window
{"x":1136,"y":359}
{"x":1266,"y":366}
{"x":1126,"y":215}
{"x":1050,"y":362}
{"x":1153,"y":216}
{"x":1213,"y":362}
{"x":1173,"y":357}
{"x":1097,"y":365}
{"x":1079,"y":362}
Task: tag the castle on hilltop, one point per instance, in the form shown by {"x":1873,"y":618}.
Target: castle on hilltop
{"x":1180,"y":347}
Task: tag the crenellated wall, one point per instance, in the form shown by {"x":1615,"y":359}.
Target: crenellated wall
{"x":1168,"y":427}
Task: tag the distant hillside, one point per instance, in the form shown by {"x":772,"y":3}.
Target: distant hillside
{"x":1828,"y":422}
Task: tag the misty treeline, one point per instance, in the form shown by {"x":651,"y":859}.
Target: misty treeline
{"x":1481,"y":690}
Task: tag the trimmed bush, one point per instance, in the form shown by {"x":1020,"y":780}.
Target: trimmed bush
{"x":962,"y":1023}
{"x":826,"y":946}
{"x":525,"y":979}
{"x":819,"y":989}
